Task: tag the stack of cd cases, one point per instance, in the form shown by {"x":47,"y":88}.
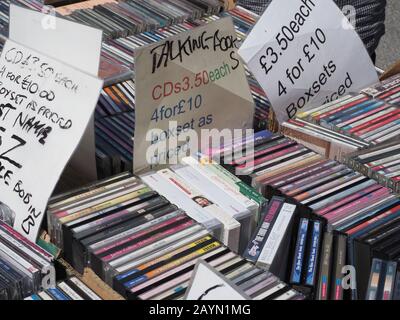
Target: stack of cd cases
{"x":126,"y":17}
{"x":123,"y":17}
{"x":194,"y":188}
{"x":69,"y":289}
{"x":376,"y":237}
{"x":328,"y":143}
{"x":380,"y":162}
{"x":354,"y":209}
{"x":384,"y":281}
{"x":145,"y":247}
{"x":371,"y":117}
{"x":282,"y":167}
{"x":114,"y":129}
{"x":25,"y":268}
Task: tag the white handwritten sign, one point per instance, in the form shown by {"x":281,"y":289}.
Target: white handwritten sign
{"x":72,"y":43}
{"x":194,"y":79}
{"x":305,"y":53}
{"x":207,"y":283}
{"x":45,"y":107}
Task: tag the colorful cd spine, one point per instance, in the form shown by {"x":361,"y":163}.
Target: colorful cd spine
{"x":314,"y":254}
{"x":299,"y":252}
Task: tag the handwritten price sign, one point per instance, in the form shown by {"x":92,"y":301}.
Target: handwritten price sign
{"x":45,"y":107}
{"x":194,"y":79}
{"x":305,"y":53}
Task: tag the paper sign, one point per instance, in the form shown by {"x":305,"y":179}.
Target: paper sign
{"x":305,"y":53}
{"x":194,"y":79}
{"x":207,"y":283}
{"x":45,"y":107}
{"x":70,"y":42}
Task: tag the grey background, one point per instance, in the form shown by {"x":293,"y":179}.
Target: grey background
{"x":389,"y":48}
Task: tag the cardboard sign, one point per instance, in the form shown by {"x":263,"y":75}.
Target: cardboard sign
{"x":305,"y":53}
{"x":45,"y":107}
{"x":207,"y":283}
{"x":186,"y":83}
{"x":73,"y":43}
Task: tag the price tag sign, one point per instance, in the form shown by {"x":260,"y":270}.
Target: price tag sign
{"x":184,"y":84}
{"x":305,"y":53}
{"x":45,"y":107}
